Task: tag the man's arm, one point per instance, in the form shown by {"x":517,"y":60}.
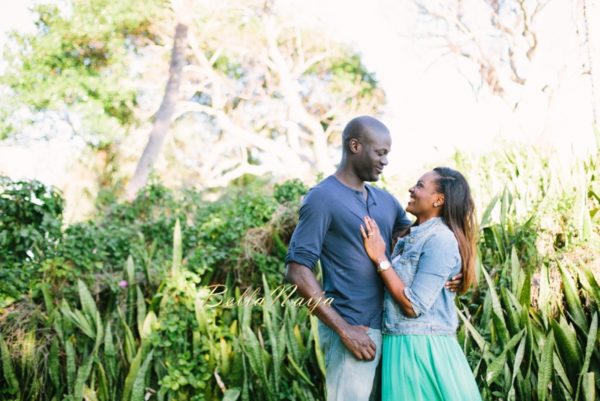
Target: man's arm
{"x":355,"y":338}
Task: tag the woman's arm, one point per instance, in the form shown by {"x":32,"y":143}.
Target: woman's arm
{"x":439,"y":257}
{"x":375,"y":247}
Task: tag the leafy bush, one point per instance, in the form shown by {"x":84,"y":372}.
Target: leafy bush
{"x":237,"y":236}
{"x":30,"y":231}
{"x":529,"y":331}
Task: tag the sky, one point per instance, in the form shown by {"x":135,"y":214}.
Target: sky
{"x":432,"y":108}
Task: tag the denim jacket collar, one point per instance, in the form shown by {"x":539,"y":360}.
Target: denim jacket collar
{"x":417,"y":231}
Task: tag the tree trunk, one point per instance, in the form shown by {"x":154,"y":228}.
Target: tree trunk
{"x":164,"y":114}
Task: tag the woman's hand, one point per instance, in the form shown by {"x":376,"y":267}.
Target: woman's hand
{"x":374,"y":243}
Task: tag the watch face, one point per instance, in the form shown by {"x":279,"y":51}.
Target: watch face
{"x":383,"y":266}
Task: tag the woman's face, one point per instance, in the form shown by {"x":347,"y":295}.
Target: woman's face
{"x":425,"y":200}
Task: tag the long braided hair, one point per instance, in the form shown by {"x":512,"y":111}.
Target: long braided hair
{"x":459,"y":215}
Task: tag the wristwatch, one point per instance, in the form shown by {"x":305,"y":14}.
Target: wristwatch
{"x":383,"y":266}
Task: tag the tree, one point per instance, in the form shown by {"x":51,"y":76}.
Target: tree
{"x":497,"y":37}
{"x":250,"y":91}
{"x":167,"y":106}
{"x":263,"y":94}
{"x":75,"y":64}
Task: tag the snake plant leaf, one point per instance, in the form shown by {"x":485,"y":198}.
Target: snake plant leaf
{"x":592,"y":338}
{"x":545,"y":368}
{"x":572,"y":298}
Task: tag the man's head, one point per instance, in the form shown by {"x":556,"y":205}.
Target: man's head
{"x":366,"y":144}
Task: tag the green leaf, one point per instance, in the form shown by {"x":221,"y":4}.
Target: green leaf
{"x":568,"y":348}
{"x":572,"y":297}
{"x":103,"y":386}
{"x":54,"y":364}
{"x":99,"y":333}
{"x":486,"y":217}
{"x":545,"y":368}
{"x":110,"y":353}
{"x":592,"y":338}
{"x":545,"y":297}
{"x":7,"y":368}
{"x":299,"y":371}
{"x":71,"y":368}
{"x":479,"y":340}
{"x":589,"y":387}
{"x":132,"y":374}
{"x":147,"y":326}
{"x":130,"y":345}
{"x":511,"y":310}
{"x":130,"y":271}
{"x":225,"y":355}
{"x":318,"y":353}
{"x":175,"y":267}
{"x":495,"y":368}
{"x":252,"y":349}
{"x":137,"y":393}
{"x":78,"y":319}
{"x":559,"y":369}
{"x":497,"y":315}
{"x":516,"y":273}
{"x":231,"y":394}
{"x":588,"y":281}
{"x":141,"y":309}
{"x":88,"y":305}
{"x":517,"y":364}
{"x":83,"y":373}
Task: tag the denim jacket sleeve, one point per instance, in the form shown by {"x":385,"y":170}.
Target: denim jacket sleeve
{"x":438,"y":258}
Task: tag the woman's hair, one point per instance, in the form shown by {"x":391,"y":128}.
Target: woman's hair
{"x":459,"y":215}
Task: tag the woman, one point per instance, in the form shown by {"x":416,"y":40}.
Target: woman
{"x":422,"y":360}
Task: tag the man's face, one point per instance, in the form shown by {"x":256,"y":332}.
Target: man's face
{"x":372,"y":158}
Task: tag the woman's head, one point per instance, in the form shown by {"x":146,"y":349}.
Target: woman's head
{"x":426,"y":200}
{"x":444,"y":192}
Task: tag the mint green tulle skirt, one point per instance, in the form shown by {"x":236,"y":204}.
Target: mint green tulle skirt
{"x":426,"y":368}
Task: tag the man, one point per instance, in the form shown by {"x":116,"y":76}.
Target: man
{"x":328,"y":230}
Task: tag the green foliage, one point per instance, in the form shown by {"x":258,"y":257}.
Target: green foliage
{"x":30,"y":230}
{"x":242,"y":235}
{"x":77,"y":59}
{"x":351,"y":71}
{"x":530,"y":329}
{"x":289,"y":191}
{"x":181,"y":348}
{"x":174,"y":343}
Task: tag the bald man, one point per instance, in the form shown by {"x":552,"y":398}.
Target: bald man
{"x":328,"y":230}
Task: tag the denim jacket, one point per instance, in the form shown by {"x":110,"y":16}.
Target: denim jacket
{"x":424,"y":260}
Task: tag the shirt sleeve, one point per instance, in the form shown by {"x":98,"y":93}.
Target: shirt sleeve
{"x":313,"y":223}
{"x":438,"y":259}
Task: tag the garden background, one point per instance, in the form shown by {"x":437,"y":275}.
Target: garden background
{"x":150,"y":150}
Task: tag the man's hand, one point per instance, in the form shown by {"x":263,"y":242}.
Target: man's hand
{"x":356,"y":339}
{"x":454,"y":283}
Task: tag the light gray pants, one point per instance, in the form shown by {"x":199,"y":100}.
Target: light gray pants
{"x":349,"y":379}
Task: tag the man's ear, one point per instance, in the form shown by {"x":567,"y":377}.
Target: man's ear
{"x":354,"y":145}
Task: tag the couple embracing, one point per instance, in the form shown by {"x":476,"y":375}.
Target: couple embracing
{"x":390,"y":305}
